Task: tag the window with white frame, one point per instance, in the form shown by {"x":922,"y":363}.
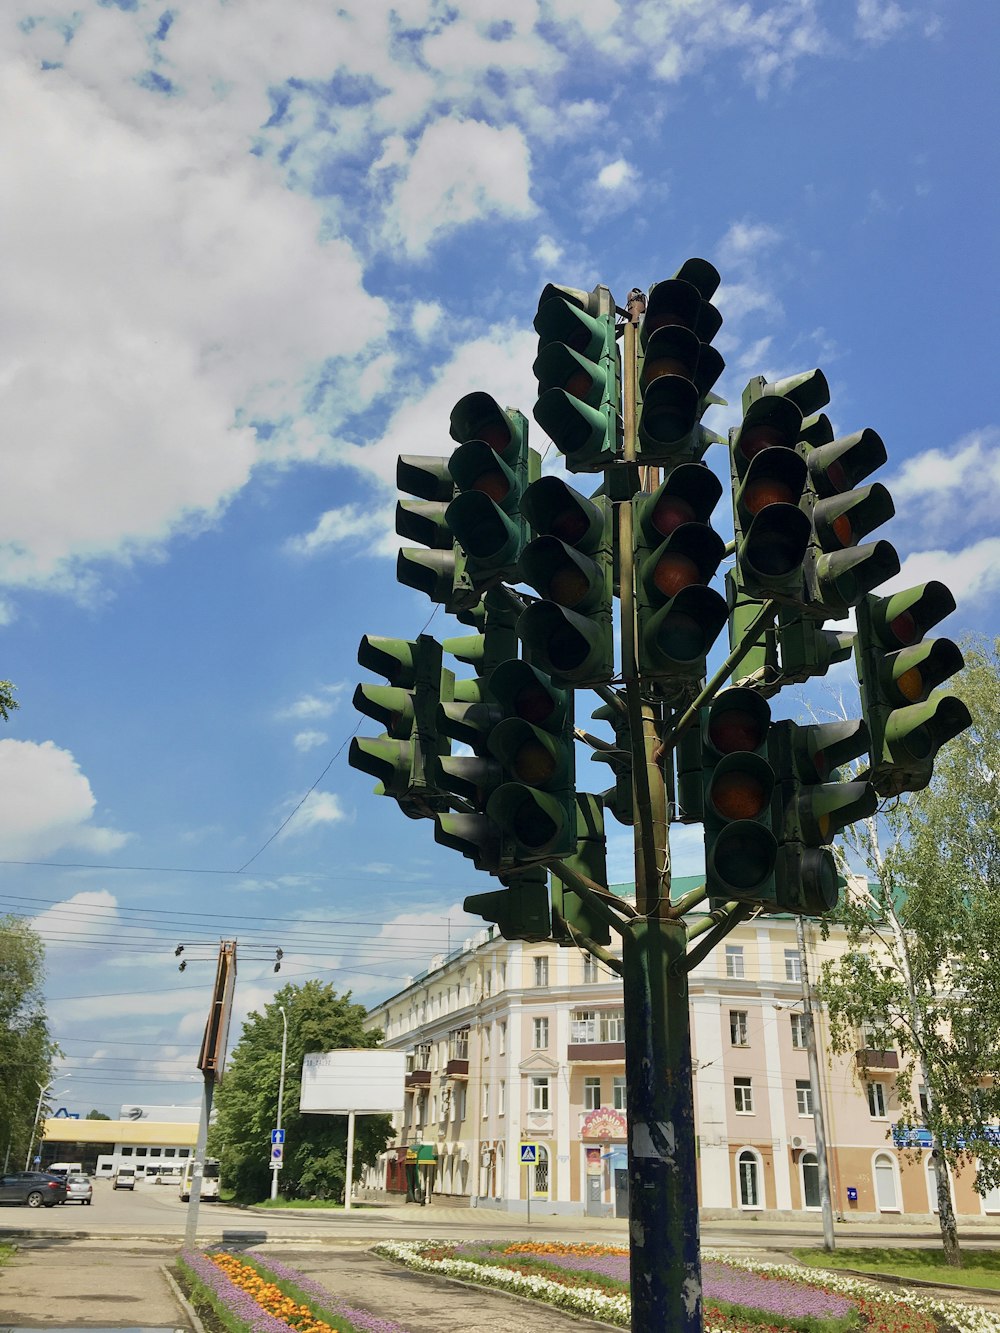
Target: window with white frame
{"x":734,"y":960}
{"x":541,"y":970}
{"x":539,"y":1093}
{"x":804,"y":1096}
{"x":591,"y":1093}
{"x":748,"y":1167}
{"x":486,"y":1100}
{"x":583,"y":1028}
{"x":458,"y":1044}
{"x":589,"y":968}
{"x":738,"y":1032}
{"x":619,"y":1094}
{"x":876,"y":1100}
{"x":502,"y":1097}
{"x":743,"y":1095}
{"x":800,"y":1032}
{"x":540,"y":1034}
{"x":793,"y":965}
{"x":502,"y":1038}
{"x":460,"y":1094}
{"x":612,"y":1025}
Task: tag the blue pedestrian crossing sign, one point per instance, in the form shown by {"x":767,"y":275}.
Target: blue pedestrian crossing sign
{"x":529,"y":1153}
{"x":277,"y":1136}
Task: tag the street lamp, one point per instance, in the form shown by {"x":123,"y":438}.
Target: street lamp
{"x":43,"y":1088}
{"x":275,"y":1166}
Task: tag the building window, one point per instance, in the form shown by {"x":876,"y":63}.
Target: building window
{"x":804,"y":1096}
{"x":584,"y":1026}
{"x":501,"y":1038}
{"x":800,"y":1032}
{"x":734,"y":960}
{"x":502,"y":1098}
{"x":612,"y":1025}
{"x":434,"y":1108}
{"x":925,"y":1104}
{"x":591,"y":1093}
{"x":743,"y":1094}
{"x":539,"y":1094}
{"x":126,"y":1152}
{"x":458,"y":1044}
{"x":486,"y":1043}
{"x":793,"y":965}
{"x":738,"y":1027}
{"x":181,"y":1152}
{"x":540,"y":1034}
{"x":501,"y":976}
{"x":170,"y":1152}
{"x":618,"y":1086}
{"x":876,"y":1100}
{"x":460,"y":1104}
{"x":486,"y":1100}
{"x":749,"y":1172}
{"x":589,"y":968}
{"x":541,"y":970}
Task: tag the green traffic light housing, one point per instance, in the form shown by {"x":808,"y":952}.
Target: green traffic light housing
{"x":521,"y":911}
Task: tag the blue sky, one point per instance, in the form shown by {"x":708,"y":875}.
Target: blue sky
{"x":250,"y":253}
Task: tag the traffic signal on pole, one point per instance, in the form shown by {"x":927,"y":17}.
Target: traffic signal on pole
{"x":737,"y":788}
{"x":677,"y":553}
{"x":520,"y":911}
{"x":404,"y":758}
{"x":572,"y":912}
{"x":617,"y":754}
{"x":812,"y":804}
{"x":490,"y":469}
{"x":899,"y":672}
{"x":678,"y":365}
{"x":579,"y":375}
{"x":440,"y":570}
{"x":569,"y":633}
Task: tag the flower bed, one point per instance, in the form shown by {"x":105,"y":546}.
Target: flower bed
{"x":252,"y":1295}
{"x":741,"y":1296}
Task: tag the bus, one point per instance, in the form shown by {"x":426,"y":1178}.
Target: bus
{"x":209,"y":1179}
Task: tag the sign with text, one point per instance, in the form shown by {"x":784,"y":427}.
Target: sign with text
{"x":365,"y":1082}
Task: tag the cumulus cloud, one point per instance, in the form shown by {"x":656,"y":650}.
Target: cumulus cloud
{"x":318,"y":809}
{"x":304,"y":741}
{"x":46,"y":803}
{"x":309,"y":706}
{"x":972,"y":572}
{"x":614,"y":175}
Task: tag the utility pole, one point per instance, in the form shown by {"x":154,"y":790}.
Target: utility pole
{"x":276,"y":1166}
{"x":211,"y":1062}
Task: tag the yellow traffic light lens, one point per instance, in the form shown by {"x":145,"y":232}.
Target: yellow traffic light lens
{"x":665,"y":365}
{"x":492,"y":483}
{"x":568,"y":586}
{"x":911,"y":685}
{"x":843,"y":531}
{"x":674,"y":572}
{"x":767,"y":491}
{"x":534,"y":763}
{"x":669,"y":512}
{"x":738,"y":795}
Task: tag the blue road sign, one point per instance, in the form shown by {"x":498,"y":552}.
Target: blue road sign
{"x":529,"y":1152}
{"x":277,"y":1136}
{"x":277,"y":1154}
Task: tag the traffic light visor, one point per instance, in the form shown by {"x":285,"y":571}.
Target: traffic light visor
{"x":742,"y":857}
{"x":738,"y":721}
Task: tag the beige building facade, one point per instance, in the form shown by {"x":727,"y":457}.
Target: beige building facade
{"x":511,"y":1044}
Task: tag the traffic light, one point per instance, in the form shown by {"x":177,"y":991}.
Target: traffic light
{"x":439,"y":571}
{"x":617,"y":754}
{"x":569,"y":633}
{"x":533,"y":808}
{"x":811,"y":806}
{"x":404,"y":758}
{"x":490,"y":469}
{"x":579,"y":375}
{"x":520,"y":911}
{"x":676,"y":556}
{"x":572,"y":913}
{"x":899,"y":673}
{"x":679,"y":365}
{"x":737,"y":789}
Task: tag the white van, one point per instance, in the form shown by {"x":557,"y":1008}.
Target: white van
{"x":124,"y":1178}
{"x":65,"y":1169}
{"x":209,"y":1179}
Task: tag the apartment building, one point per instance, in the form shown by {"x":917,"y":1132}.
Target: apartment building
{"x":510,"y":1043}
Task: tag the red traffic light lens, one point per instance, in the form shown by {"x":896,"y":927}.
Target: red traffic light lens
{"x":493,"y":483}
{"x":534,"y":704}
{"x":569,"y":525}
{"x":842,"y":530}
{"x":731,"y":731}
{"x":579,"y":383}
{"x":737,"y":795}
{"x":534,"y":763}
{"x":673,"y":572}
{"x":568,"y":585}
{"x":496,"y":435}
{"x":670,"y":511}
{"x":767,"y":491}
{"x":904,"y":628}
{"x":755,"y":439}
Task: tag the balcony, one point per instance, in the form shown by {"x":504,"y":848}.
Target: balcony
{"x":417,"y":1078}
{"x":595,"y":1052}
{"x":456,"y":1068}
{"x":872,"y":1062}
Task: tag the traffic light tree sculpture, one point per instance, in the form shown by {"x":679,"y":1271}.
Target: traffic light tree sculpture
{"x":534,"y":566}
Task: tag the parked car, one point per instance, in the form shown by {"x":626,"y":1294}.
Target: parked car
{"x":124,"y":1178}
{"x":37,"y":1189}
{"x":78,"y":1188}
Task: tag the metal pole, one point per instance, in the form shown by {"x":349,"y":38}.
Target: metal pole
{"x":281,"y":1093}
{"x":38,"y":1111}
{"x":348,"y":1183}
{"x":819,"y":1120}
{"x":198,"y":1165}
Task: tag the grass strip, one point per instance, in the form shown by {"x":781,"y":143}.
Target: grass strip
{"x":980,"y":1268}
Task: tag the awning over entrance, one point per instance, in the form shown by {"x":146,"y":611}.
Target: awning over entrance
{"x":421,"y":1154}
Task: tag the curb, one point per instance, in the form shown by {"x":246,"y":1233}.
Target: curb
{"x":194,"y":1322}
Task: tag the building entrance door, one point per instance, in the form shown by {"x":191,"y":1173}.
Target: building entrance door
{"x":621,"y":1191}
{"x":595,"y":1201}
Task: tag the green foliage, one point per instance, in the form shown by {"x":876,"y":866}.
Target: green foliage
{"x":246,"y":1101}
{"x":980,"y":1268}
{"x":26,"y":1049}
{"x":924,"y":971}
{"x":7,"y":701}
{"x":96,"y":1115}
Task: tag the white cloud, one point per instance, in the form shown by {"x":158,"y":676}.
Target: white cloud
{"x":547,"y":252}
{"x":745,"y":241}
{"x":348,"y":523}
{"x":46,"y":803}
{"x":319,"y":808}
{"x":460,"y":170}
{"x":971,"y":573}
{"x":879,"y":20}
{"x":314,"y":705}
{"x":426,"y":317}
{"x":77,"y":918}
{"x":950,"y":485}
{"x":614,"y":175}
{"x":305,"y":741}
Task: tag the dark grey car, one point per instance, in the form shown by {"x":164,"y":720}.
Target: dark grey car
{"x":37,"y":1189}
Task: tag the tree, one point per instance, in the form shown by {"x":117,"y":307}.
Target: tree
{"x":924,"y":970}
{"x":26,"y":1048}
{"x":247,"y":1098}
{"x":7,"y":701}
{"x":96,"y":1115}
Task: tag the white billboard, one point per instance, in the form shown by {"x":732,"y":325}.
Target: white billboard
{"x":366,"y":1082}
